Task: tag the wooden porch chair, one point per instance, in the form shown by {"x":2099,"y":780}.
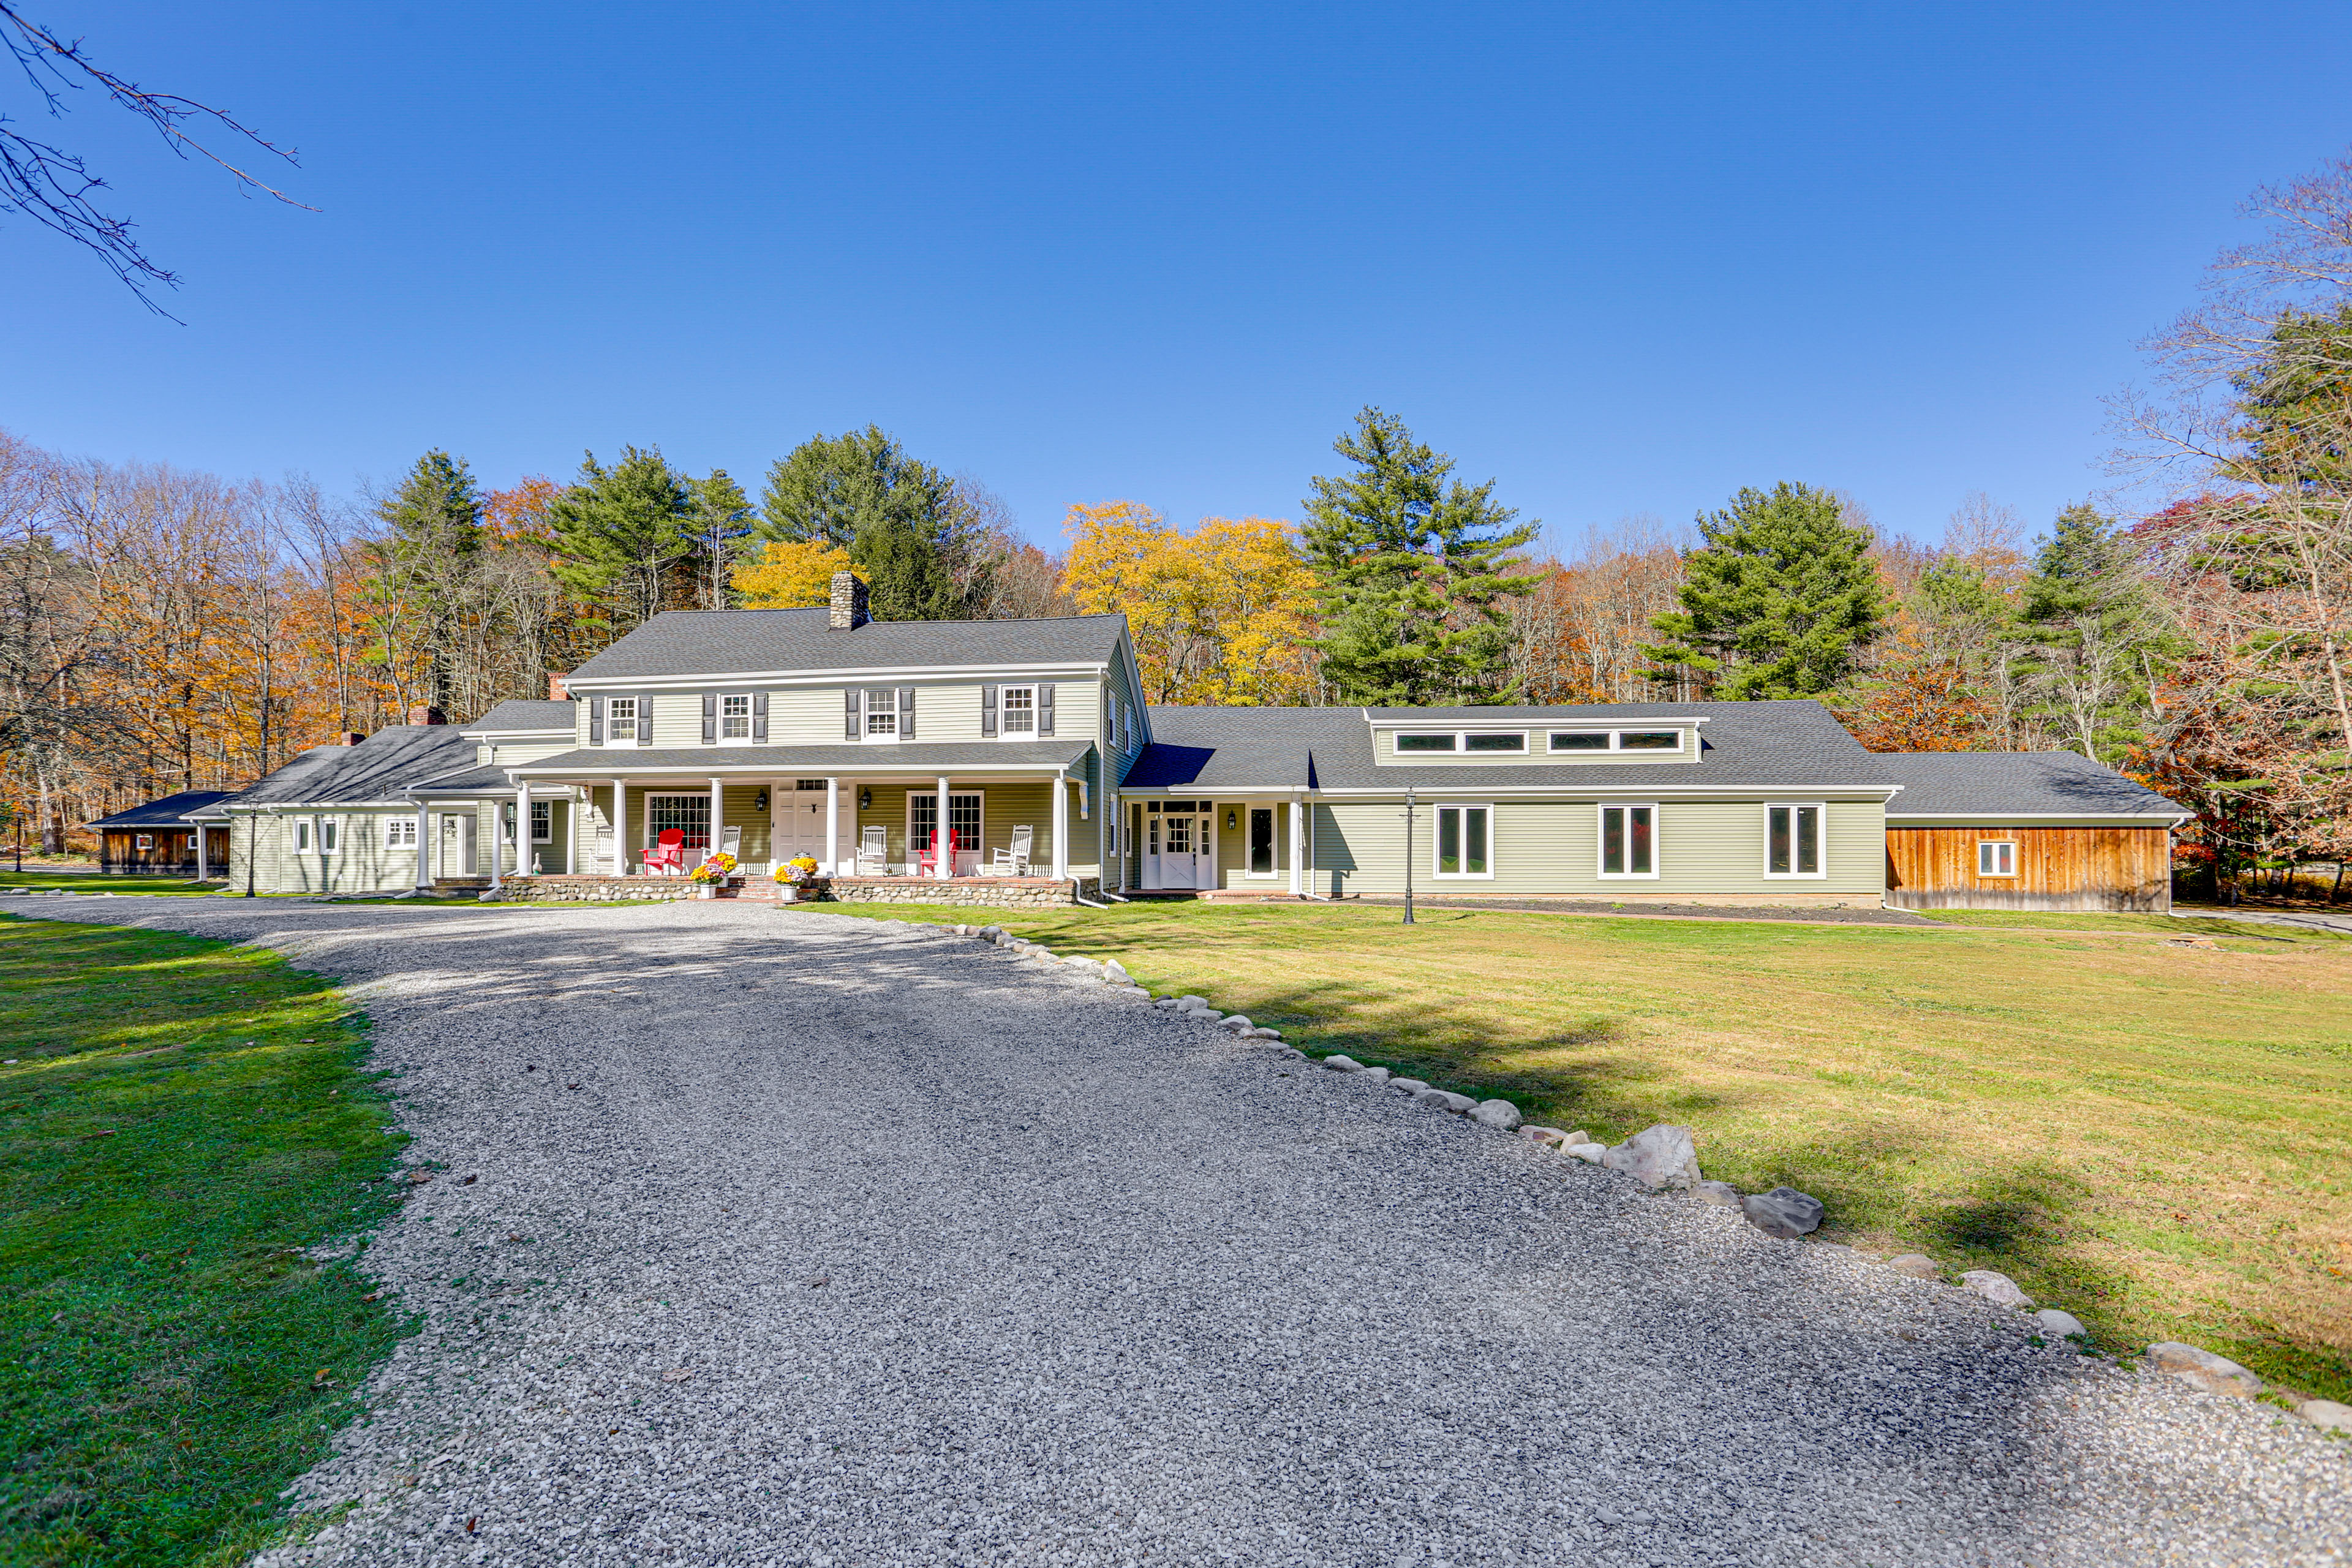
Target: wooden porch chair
{"x":874,"y":852}
{"x":667,"y":857}
{"x":1012,"y":860}
{"x":731,"y":842}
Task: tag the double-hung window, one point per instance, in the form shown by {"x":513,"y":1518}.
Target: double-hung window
{"x":735,"y":718}
{"x":1792,"y":841}
{"x":1463,"y":841}
{"x":542,"y":822}
{"x":1629,"y":840}
{"x":400,"y":833}
{"x":621,"y":720}
{"x":1018,"y":704}
{"x":1997,"y":857}
{"x":882,"y":712}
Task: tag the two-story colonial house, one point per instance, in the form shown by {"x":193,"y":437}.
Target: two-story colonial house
{"x":821,"y":734}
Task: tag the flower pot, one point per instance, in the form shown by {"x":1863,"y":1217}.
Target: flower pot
{"x":705,"y":890}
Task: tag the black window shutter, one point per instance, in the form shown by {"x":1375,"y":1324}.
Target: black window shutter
{"x":758,"y":716}
{"x":595,"y":720}
{"x":711,"y":718}
{"x":645,"y":719}
{"x":988,"y":710}
{"x":854,"y":715}
{"x":1044,"y":708}
{"x":906,"y":712}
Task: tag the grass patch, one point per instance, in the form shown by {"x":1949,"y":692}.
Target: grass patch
{"x":91,"y":882}
{"x":2157,"y":1138}
{"x":182,"y":1118}
{"x":2171,"y":927}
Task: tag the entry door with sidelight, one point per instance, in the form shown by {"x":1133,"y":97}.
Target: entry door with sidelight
{"x":799,"y":822}
{"x":1178,"y":847}
{"x":456,"y":844}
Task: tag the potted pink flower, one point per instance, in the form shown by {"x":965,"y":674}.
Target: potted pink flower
{"x":711,"y":874}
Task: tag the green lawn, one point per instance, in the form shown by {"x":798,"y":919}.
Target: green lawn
{"x":2153,"y":1134}
{"x":180,"y":1119}
{"x":91,"y":882}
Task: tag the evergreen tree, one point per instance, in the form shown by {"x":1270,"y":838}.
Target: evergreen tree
{"x":1777,"y":602}
{"x":901,"y":520}
{"x":2092,"y":636}
{"x":622,"y":533}
{"x":1411,"y":565}
{"x":435,"y":544}
{"x":722,"y":515}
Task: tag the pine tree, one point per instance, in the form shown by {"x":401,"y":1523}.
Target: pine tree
{"x":901,"y":520}
{"x":1777,"y":602}
{"x":2092,"y":636}
{"x":1410,"y":564}
{"x":622,"y":533}
{"x":435,"y":541}
{"x":722,"y":514}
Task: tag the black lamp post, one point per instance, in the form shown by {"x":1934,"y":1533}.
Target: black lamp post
{"x":1408,"y":854}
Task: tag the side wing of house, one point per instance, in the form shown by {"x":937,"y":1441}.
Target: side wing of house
{"x":2025,"y":830}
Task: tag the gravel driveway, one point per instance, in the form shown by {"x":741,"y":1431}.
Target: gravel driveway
{"x":861,"y":1244}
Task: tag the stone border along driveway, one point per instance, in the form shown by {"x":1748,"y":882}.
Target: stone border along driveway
{"x":750,"y":1237}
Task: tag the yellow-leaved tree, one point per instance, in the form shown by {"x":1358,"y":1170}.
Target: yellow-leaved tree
{"x":792,"y":574}
{"x":1219,"y":616}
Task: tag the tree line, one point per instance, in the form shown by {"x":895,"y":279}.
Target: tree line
{"x":169,"y":630}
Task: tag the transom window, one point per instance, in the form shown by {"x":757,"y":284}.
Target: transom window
{"x":882,"y":710}
{"x":1462,"y":841}
{"x":1629,"y":841}
{"x":621,"y":719}
{"x":1019,"y":707}
{"x":1997,"y":857}
{"x":1462,"y":741}
{"x":1792,"y":841}
{"x":1616,"y":740}
{"x":735,"y":718}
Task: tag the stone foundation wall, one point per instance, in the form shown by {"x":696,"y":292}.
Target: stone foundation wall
{"x":592,"y":889}
{"x":991,"y":892}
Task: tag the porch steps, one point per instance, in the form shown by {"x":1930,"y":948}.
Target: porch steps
{"x":755,"y":889}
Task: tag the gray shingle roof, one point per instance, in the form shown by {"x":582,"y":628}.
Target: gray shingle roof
{"x":165,"y":812}
{"x":465,"y":780}
{"x":838,"y":761}
{"x":1998,"y":784}
{"x":378,"y":768}
{"x":524,"y":715}
{"x":1748,"y":745}
{"x":719,"y":642}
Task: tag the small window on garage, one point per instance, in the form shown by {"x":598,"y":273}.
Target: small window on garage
{"x":1997,"y":857}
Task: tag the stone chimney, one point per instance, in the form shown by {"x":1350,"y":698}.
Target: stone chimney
{"x":848,"y":603}
{"x":556,"y":691}
{"x":422,"y":715}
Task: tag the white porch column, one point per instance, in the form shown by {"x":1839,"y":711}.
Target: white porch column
{"x":423,"y":845}
{"x":717,"y":813}
{"x":1061,"y":826}
{"x":571,"y":833}
{"x":620,"y":827}
{"x":498,"y":848}
{"x":522,"y":829}
{"x":833,"y":827}
{"x":201,"y":868}
{"x":1297,"y":847}
{"x":946,"y":868}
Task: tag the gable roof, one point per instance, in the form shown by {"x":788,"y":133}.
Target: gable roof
{"x":164,"y":811}
{"x":377,"y":769}
{"x":2016,"y":784}
{"x":726,"y":642}
{"x":1794,"y":745}
{"x":526,"y":715}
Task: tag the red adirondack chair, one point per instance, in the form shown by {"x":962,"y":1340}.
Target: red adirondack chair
{"x":667,"y":857}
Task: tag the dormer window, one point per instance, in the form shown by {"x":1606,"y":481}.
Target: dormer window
{"x":1488,"y":741}
{"x":1650,"y":740}
{"x":1616,"y":740}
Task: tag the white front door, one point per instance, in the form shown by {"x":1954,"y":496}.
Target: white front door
{"x":799,"y":824}
{"x":1177,"y":849}
{"x":457,"y":844}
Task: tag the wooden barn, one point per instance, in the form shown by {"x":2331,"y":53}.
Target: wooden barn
{"x":157,"y":840}
{"x":2024,"y":830}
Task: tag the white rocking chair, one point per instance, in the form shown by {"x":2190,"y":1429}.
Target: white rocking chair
{"x":874,"y":852}
{"x":1014,"y":860}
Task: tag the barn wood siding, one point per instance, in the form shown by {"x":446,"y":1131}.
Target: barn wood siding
{"x":2057,"y":869}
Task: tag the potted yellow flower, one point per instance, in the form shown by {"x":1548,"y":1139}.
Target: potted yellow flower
{"x":711,"y":874}
{"x":791,"y":875}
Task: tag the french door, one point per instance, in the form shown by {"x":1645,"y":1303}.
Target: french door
{"x":1178,"y":845}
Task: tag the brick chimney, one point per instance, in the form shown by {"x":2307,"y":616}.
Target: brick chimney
{"x":422,"y":715}
{"x":350,"y":738}
{"x":848,"y":603}
{"x":556,"y":691}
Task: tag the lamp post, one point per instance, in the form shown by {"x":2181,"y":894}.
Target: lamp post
{"x":1408,"y":854}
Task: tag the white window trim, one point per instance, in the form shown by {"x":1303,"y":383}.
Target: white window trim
{"x":1274,"y":860}
{"x":306,"y":835}
{"x":637,"y":716}
{"x":1984,"y":844}
{"x":1486,"y":875}
{"x":1820,"y":842}
{"x":1600,"y":841}
{"x":1616,"y":745}
{"x":1005,"y":731}
{"x":1461,"y":743}
{"x":400,"y":832}
{"x":641,"y":814}
{"x":866,"y":735}
{"x":719,"y":735}
{"x":907,"y":825}
{"x":142,"y":843}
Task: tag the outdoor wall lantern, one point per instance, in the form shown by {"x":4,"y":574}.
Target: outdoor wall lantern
{"x":866,"y":800}
{"x":1230,"y":822}
{"x":759,"y":801}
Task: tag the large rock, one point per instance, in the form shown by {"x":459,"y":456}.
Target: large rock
{"x":1191,"y":1002}
{"x":1500,"y":1114}
{"x":1916,"y":1266}
{"x":1375,"y":1075}
{"x":1446,"y":1100}
{"x":2061,"y":1325}
{"x":1343,"y":1064}
{"x":1783,"y":1212}
{"x":2204,"y":1370}
{"x":1551,"y":1137}
{"x":1660,"y":1156}
{"x":1722,"y":1195}
{"x":1239,"y":1023}
{"x":2326,"y":1415}
{"x":1590,"y":1154}
{"x":1407,"y":1085}
{"x":1997,"y":1287}
{"x":1115,"y":972}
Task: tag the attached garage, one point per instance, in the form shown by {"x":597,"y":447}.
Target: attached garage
{"x":2024,"y":830}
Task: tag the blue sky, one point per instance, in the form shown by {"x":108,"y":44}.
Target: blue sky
{"x":1623,"y":260}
